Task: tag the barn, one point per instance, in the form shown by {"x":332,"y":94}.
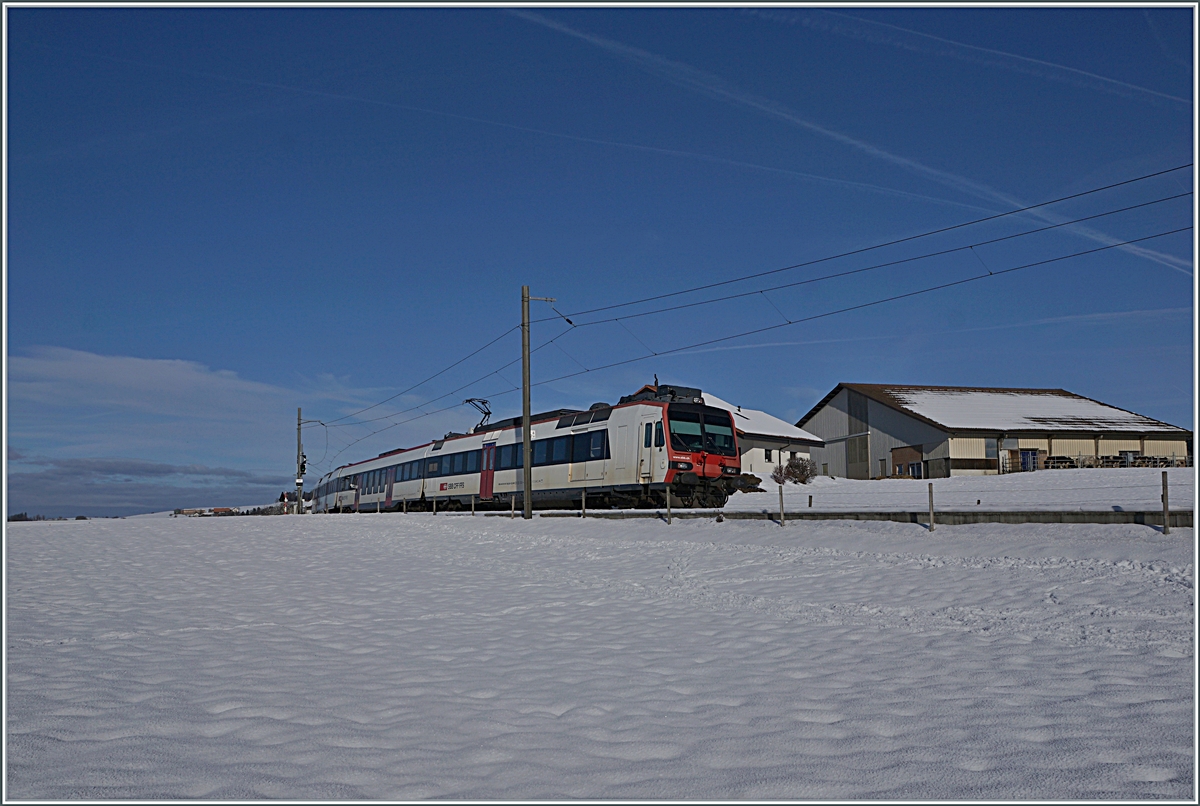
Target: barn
{"x":878,"y":430}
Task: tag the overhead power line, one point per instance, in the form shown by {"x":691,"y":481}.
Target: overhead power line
{"x":788,"y":323}
{"x":848,"y":272}
{"x":863,"y":305}
{"x":875,"y":246}
{"x":427,"y":380}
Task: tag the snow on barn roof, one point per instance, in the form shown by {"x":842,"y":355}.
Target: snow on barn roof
{"x":759,"y":423}
{"x":976,"y":408}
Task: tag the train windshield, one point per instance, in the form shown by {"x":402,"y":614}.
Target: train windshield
{"x":700,"y":428}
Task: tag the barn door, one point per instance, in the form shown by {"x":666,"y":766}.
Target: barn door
{"x":858,"y":458}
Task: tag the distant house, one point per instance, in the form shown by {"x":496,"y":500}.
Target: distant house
{"x":765,"y":441}
{"x":874,"y":430}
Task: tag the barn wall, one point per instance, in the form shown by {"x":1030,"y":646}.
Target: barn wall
{"x":830,"y":424}
{"x":1167,"y":447}
{"x":968,"y":448}
{"x":894,"y":429}
{"x":1074,"y":447}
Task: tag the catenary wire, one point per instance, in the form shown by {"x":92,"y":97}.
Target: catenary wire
{"x":876,"y":246}
{"x":849,"y":272}
{"x":863,"y":305}
{"x":430,"y":378}
{"x":760,"y":330}
{"x":787,"y":321}
{"x":788,"y":285}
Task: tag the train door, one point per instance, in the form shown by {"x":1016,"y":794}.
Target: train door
{"x":623,"y":453}
{"x":358,"y":483}
{"x":487,"y":471}
{"x":646,"y":446}
{"x":389,"y":481}
{"x":598,"y":452}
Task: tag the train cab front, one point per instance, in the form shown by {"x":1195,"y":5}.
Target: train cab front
{"x":703,"y":462}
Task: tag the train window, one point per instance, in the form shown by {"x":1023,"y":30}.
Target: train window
{"x":431,"y":469}
{"x":459,"y":461}
{"x":561,"y":450}
{"x":600,"y":415}
{"x":687,"y":434}
{"x":718,"y":433}
{"x":504,"y":457}
{"x":520,"y":452}
{"x":416,"y":471}
{"x":658,"y":435}
{"x":649,"y":435}
{"x":404,"y":471}
{"x":580,"y":446}
{"x":539,"y":452}
{"x":473,"y":462}
{"x":598,"y":448}
{"x":566,"y":422}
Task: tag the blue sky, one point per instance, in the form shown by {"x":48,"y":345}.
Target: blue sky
{"x":216,"y":215}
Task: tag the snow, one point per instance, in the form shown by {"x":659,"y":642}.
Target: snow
{"x":449,"y":656}
{"x":752,"y":421}
{"x":1090,"y":489}
{"x":1030,"y":410}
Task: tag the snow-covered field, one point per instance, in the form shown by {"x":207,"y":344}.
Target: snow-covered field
{"x":393,"y":656}
{"x":1134,"y":488}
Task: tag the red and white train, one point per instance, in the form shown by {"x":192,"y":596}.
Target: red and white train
{"x":660,"y":439}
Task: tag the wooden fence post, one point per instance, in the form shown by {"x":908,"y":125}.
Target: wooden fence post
{"x":583,"y":508}
{"x":1166,"y":507}
{"x":668,"y":504}
{"x":781,"y":505}
{"x":931,"y":523}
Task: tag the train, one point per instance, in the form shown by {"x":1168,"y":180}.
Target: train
{"x":660,"y":441}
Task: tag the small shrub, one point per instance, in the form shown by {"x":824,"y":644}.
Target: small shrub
{"x":800,"y":471}
{"x":779,"y":474}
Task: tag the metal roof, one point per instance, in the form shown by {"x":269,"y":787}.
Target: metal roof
{"x":977,"y":408}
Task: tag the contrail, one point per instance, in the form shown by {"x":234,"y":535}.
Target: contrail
{"x":339,"y":96}
{"x":716,"y":87}
{"x":1074,"y":75}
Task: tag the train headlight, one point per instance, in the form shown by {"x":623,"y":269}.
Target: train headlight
{"x":730,"y":470}
{"x":681,"y":465}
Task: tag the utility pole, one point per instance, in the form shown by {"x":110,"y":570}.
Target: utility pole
{"x":526,"y":450}
{"x":299,"y":467}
